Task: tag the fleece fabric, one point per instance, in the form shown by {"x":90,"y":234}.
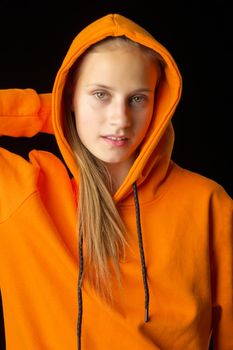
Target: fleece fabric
{"x":186,"y":226}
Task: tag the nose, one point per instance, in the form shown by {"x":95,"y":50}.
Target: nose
{"x":120,"y":115}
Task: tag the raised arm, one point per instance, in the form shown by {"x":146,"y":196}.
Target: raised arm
{"x":24,"y":112}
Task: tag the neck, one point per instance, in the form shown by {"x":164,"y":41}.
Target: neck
{"x":118,"y":172}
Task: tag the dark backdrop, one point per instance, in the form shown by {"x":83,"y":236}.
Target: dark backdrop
{"x":36,"y":34}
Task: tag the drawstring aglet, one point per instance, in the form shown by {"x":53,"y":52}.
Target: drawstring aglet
{"x":146,"y":319}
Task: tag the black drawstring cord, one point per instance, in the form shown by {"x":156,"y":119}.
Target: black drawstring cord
{"x":144,"y":273}
{"x":80,"y":306}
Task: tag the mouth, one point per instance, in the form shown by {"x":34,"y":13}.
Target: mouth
{"x":115,"y":138}
{"x":116,"y":141}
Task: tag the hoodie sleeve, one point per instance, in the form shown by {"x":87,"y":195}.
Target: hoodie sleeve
{"x":221,"y":212}
{"x":24,"y":112}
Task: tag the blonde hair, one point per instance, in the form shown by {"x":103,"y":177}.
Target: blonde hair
{"x":99,"y":223}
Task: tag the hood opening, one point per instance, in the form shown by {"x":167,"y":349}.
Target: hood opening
{"x":155,"y":150}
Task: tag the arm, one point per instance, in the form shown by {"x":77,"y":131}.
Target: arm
{"x":24,"y":112}
{"x":222,"y":270}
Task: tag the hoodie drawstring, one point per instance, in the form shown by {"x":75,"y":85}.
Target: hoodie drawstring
{"x":144,"y":272}
{"x":80,"y":300}
{"x":140,"y":243}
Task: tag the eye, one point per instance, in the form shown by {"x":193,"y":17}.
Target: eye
{"x":100,"y":95}
{"x":138,"y":99}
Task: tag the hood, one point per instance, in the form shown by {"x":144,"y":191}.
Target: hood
{"x":157,"y":146}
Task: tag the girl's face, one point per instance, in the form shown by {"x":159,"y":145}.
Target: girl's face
{"x":113,"y":103}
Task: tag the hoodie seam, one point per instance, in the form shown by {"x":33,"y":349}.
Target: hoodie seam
{"x":115,"y":23}
{"x":17,"y":208}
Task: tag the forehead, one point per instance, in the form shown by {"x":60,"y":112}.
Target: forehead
{"x":118,"y":64}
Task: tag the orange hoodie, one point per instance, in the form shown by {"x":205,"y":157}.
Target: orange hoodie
{"x":180,"y":274}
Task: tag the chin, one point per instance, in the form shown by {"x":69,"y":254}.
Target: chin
{"x":112,"y":161}
{"x":115,"y":159}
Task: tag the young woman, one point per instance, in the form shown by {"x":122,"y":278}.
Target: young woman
{"x":130,"y":250}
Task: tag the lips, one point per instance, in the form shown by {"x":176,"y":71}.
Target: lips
{"x":116,"y":140}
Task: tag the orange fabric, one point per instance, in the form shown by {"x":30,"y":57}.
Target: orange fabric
{"x":24,"y":112}
{"x":186,"y":228}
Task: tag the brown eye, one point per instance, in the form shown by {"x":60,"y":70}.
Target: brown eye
{"x":138,"y":99}
{"x":100,"y":95}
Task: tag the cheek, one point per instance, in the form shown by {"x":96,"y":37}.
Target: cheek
{"x":87,"y":111}
{"x":81,"y":122}
{"x":82,"y":115}
{"x":142,"y":122}
{"x":88,"y":123}
{"x":83,"y":129}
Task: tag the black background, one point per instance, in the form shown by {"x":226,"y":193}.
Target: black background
{"x":35,"y":36}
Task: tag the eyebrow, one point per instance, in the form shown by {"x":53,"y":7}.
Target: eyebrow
{"x":111,"y":89}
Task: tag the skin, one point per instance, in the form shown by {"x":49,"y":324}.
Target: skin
{"x":114,"y":97}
